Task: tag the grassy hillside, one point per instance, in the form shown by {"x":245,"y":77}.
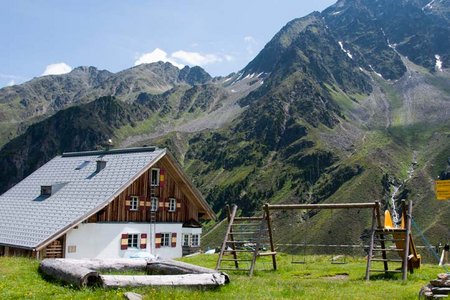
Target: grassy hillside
{"x":318,"y":279}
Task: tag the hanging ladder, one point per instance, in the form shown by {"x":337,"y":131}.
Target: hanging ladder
{"x":244,"y":240}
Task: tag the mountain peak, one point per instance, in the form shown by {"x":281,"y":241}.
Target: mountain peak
{"x":269,"y":56}
{"x":195,"y":75}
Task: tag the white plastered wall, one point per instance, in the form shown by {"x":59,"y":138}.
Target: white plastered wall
{"x":189,"y":230}
{"x":102,"y":240}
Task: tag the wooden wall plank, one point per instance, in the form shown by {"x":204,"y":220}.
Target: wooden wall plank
{"x":116,"y":211}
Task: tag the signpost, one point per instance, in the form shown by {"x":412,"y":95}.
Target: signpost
{"x":442,"y":188}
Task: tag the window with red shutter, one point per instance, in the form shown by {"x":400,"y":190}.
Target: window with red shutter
{"x":143,"y":241}
{"x":157,"y":240}
{"x":174,"y":239}
{"x":124,"y":241}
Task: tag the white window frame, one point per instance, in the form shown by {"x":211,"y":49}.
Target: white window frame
{"x":154,"y":204}
{"x":195,"y":237}
{"x":188,"y":241}
{"x":133,"y":239}
{"x":166,"y":239}
{"x":134,"y":203}
{"x":154,"y":180}
{"x":172,"y":204}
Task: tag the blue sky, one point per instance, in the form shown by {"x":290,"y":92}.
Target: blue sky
{"x":50,"y":37}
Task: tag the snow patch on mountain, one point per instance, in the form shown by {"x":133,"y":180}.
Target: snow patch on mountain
{"x":376,"y":73}
{"x":438,"y":62}
{"x":428,"y":6}
{"x":346,"y":51}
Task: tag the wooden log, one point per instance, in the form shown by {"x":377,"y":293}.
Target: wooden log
{"x":173,"y":267}
{"x":77,"y":275}
{"x":191,"y":280}
{"x":83,"y":272}
{"x":119,"y":264}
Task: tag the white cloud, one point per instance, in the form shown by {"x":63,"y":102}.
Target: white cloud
{"x":180,"y":58}
{"x":57,"y":69}
{"x":251,"y":44}
{"x":228,"y":57}
{"x":11,"y":82}
{"x":155,"y":56}
{"x":249,"y":39}
{"x":196,"y":58}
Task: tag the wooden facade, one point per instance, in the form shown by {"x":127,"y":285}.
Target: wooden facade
{"x":170,"y":186}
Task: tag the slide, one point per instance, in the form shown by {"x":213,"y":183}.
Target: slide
{"x":414,"y":259}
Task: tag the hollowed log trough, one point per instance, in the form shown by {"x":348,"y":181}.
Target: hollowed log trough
{"x":87,"y":272}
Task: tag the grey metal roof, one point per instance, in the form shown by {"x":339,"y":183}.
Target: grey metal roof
{"x":27,"y":222}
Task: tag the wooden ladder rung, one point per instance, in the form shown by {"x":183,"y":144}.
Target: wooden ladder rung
{"x":385,"y":271}
{"x":239,"y":250}
{"x":248,"y":218}
{"x":390,"y":230}
{"x":242,"y":232}
{"x":266,"y":253}
{"x":232,"y":259}
{"x":387,"y":259}
{"x":234,"y":269}
{"x":241,"y":242}
{"x":387,"y":249}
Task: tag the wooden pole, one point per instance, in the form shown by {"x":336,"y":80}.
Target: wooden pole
{"x":404,"y":211}
{"x":383,"y":245}
{"x":407,"y":241}
{"x":269,"y":229}
{"x":320,"y":206}
{"x":372,"y":239}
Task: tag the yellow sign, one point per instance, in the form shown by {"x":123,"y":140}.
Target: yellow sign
{"x":442,"y":189}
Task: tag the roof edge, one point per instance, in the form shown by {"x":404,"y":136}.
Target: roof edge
{"x":111,"y":151}
{"x":19,"y":247}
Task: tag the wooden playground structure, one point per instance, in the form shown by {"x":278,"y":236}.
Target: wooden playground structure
{"x":248,"y":234}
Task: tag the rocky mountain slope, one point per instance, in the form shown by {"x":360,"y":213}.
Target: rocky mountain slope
{"x":348,"y":105}
{"x":24,"y":104}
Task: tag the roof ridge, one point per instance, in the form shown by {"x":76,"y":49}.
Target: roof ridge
{"x":112,"y":151}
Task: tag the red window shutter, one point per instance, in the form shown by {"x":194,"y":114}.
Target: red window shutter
{"x":162,"y":177}
{"x":174,"y":239}
{"x":157,"y":240}
{"x":124,"y":241}
{"x":143,"y":243}
{"x":142,"y":203}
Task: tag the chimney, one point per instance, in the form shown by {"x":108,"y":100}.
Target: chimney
{"x":101,"y":164}
{"x":46,"y":190}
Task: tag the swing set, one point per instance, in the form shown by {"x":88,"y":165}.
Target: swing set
{"x":381,"y":234}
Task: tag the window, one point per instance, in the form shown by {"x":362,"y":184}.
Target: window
{"x":165,"y":239}
{"x":154,"y":204}
{"x":154,"y":179}
{"x":195,"y":240}
{"x":185,"y":239}
{"x":172,"y":204}
{"x":133,"y":240}
{"x":134,"y":203}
